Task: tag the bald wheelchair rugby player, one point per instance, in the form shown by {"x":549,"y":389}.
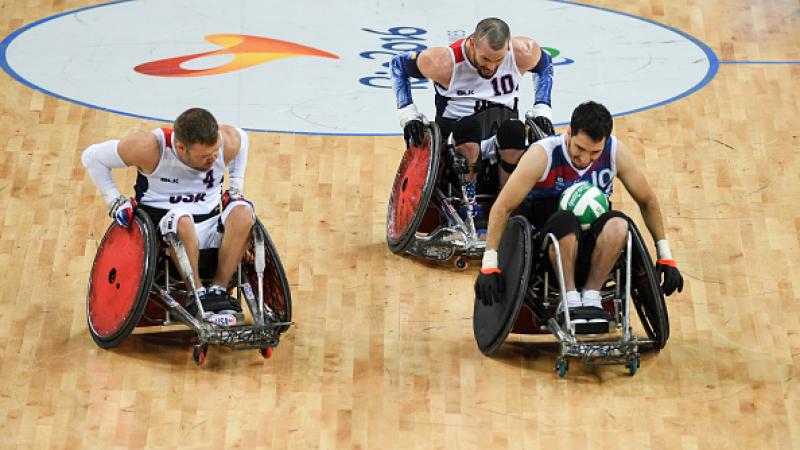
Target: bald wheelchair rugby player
{"x":477,"y":80}
{"x":179,"y":185}
{"x":586,"y":152}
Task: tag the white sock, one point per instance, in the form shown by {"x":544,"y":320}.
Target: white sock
{"x":573,"y":299}
{"x":592,"y":298}
{"x":215,"y":287}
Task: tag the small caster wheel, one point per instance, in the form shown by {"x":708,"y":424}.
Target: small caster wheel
{"x":461,"y":263}
{"x":633,"y":366}
{"x":199,"y":354}
{"x":562,"y":365}
{"x":266,"y":353}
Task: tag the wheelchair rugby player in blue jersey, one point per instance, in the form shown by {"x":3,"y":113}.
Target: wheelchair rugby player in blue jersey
{"x":576,"y":282}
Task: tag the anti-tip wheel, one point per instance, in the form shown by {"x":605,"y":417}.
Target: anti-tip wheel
{"x":461,"y":263}
{"x":633,"y":366}
{"x":199,"y":354}
{"x":562,"y":366}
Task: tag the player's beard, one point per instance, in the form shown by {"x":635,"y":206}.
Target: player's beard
{"x":486,"y":77}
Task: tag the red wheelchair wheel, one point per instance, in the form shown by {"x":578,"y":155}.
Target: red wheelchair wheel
{"x":412,"y":190}
{"x":120,"y":280}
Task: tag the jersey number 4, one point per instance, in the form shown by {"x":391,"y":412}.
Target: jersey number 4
{"x":209,"y":179}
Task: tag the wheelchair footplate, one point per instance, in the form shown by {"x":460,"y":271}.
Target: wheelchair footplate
{"x":444,"y":242}
{"x":263,"y":335}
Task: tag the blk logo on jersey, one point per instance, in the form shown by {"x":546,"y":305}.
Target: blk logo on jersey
{"x":247,"y":51}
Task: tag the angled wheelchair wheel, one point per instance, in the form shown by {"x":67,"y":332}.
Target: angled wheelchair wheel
{"x":120,"y":280}
{"x":413,"y":186}
{"x":646,"y":293}
{"x":491,"y":324}
{"x":276,"y":288}
{"x":532,"y":131}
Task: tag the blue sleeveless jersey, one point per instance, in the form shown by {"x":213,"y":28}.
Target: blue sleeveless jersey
{"x":561,"y":174}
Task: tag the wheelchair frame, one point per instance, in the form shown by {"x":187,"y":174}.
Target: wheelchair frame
{"x":263,"y":335}
{"x":452,"y":235}
{"x":638,"y":288}
{"x":595,"y":352}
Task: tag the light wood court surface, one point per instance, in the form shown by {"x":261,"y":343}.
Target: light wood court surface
{"x":382,"y":355}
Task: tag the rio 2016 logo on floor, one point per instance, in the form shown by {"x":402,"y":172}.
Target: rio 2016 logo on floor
{"x":287,"y":70}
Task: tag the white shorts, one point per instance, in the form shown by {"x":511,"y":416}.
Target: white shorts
{"x":209,"y":232}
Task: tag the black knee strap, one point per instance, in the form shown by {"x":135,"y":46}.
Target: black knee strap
{"x":511,"y":135}
{"x":562,"y":223}
{"x":467,"y":130}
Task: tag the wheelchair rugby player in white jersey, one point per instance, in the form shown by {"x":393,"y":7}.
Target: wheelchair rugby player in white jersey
{"x":179,"y":185}
{"x":476,"y":130}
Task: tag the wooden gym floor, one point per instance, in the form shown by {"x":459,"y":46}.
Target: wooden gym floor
{"x":382,"y":355}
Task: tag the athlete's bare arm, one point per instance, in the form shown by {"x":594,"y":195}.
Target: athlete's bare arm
{"x":526,"y":52}
{"x":437,"y":65}
{"x":636,"y":184}
{"x":140,"y":149}
{"x":528,"y":171}
{"x":232,"y":141}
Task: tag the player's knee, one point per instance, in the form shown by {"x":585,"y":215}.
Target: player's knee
{"x":185,"y":227}
{"x":615,"y":229}
{"x":563,"y":224}
{"x":241,"y":215}
{"x":510,"y":144}
{"x":511,"y":135}
{"x":611,"y":225}
{"x":467,"y":131}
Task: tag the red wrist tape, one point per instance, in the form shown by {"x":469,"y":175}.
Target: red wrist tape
{"x":667,"y":262}
{"x":490,"y":271}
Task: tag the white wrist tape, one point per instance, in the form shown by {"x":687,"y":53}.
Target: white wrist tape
{"x":409,"y":113}
{"x":662,"y":249}
{"x":542,"y":110}
{"x":99,"y":159}
{"x":489,"y":259}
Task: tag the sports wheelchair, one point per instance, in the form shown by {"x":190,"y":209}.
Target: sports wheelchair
{"x":422,"y":218}
{"x":530,"y":299}
{"x":133,"y":283}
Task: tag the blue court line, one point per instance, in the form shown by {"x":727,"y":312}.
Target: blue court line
{"x":760,"y":62}
{"x":710,"y":55}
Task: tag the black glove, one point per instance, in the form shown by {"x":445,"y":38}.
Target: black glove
{"x":489,"y":286}
{"x":414,"y":133}
{"x":667,"y":271}
{"x":545,"y":125}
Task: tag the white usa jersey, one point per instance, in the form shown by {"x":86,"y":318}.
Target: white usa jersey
{"x":469,"y":93}
{"x":173,"y":183}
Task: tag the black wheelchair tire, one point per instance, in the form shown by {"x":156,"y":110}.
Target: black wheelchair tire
{"x":276,"y":278}
{"x":646,"y":294}
{"x":492,"y":324}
